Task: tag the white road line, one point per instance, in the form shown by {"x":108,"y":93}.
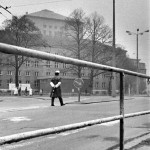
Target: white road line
{"x":17,"y":119}
{"x":21,"y":108}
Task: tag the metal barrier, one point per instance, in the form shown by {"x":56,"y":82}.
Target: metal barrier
{"x":9,"y":49}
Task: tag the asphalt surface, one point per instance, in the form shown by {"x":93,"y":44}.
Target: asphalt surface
{"x":23,"y":114}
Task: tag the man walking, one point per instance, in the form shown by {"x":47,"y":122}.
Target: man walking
{"x":56,"y":89}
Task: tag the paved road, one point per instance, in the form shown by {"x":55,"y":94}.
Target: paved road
{"x":28,"y":114}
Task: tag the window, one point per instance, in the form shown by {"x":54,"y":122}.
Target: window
{"x":48,"y":73}
{"x":27,"y":63}
{"x":55,"y":27}
{"x":97,"y":77}
{"x":0,"y":82}
{"x":27,"y":73}
{"x":83,"y":74}
{"x":48,"y":64}
{"x":36,"y":83}
{"x":103,"y":85}
{"x":9,"y":72}
{"x":27,"y":81}
{"x":36,"y":64}
{"x":96,"y":84}
{"x":50,"y":26}
{"x":64,"y":65}
{"x":8,"y":81}
{"x":36,"y":74}
{"x":1,"y":73}
{"x":20,"y":81}
{"x":64,"y":74}
{"x":19,"y":73}
{"x":56,"y":65}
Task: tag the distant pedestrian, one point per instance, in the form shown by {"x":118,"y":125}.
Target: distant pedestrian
{"x":30,"y":92}
{"x":41,"y":92}
{"x":19,"y":91}
{"x":26,"y":91}
{"x":56,"y":89}
{"x":15,"y":91}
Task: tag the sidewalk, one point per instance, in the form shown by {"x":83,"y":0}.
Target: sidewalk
{"x":26,"y":101}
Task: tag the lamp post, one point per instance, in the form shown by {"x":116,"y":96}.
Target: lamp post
{"x":137,"y":59}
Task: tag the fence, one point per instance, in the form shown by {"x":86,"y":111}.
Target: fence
{"x":9,"y":49}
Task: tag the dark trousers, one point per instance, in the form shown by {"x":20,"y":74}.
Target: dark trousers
{"x":60,"y":100}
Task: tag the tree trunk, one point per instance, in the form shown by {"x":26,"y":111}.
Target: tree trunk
{"x":91,"y":81}
{"x":16,"y":71}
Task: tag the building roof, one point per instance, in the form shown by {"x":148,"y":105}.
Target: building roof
{"x":47,"y":14}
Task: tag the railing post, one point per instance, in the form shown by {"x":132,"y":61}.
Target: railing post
{"x":122,"y":111}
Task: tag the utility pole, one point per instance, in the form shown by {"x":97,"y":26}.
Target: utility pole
{"x":114,"y":55}
{"x":137,"y":61}
{"x":137,"y":55}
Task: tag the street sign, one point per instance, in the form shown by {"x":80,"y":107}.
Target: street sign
{"x":78,"y":83}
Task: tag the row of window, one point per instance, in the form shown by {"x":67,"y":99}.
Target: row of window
{"x":48,"y":64}
{"x":50,"y":27}
{"x":97,"y":85}
{"x":51,"y":33}
{"x":28,"y":73}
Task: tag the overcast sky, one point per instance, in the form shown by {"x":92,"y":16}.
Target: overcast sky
{"x":130,"y":15}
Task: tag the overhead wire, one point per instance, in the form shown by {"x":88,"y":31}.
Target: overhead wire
{"x":3,"y":15}
{"x":6,"y":9}
{"x":40,"y":3}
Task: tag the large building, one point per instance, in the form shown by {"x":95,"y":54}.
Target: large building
{"x":53,"y":25}
{"x":50,"y":24}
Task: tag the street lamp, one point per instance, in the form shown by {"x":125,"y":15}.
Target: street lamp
{"x":137,"y":59}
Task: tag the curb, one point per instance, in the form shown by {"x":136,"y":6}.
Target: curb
{"x":136,"y":142}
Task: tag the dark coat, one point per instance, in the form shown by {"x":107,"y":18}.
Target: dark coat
{"x":55,"y":92}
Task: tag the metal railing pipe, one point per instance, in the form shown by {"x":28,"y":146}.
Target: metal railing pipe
{"x":10,"y":49}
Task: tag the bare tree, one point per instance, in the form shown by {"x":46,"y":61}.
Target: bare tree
{"x":20,"y":31}
{"x":76,"y":33}
{"x":124,"y":62}
{"x":99,"y":35}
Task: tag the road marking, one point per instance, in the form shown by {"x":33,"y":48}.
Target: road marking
{"x":22,"y":108}
{"x":17,"y":119}
{"x":16,"y":146}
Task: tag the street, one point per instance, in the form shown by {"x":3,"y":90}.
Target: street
{"x":22,"y":114}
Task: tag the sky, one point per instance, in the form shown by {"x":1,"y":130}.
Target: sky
{"x":130,"y":15}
